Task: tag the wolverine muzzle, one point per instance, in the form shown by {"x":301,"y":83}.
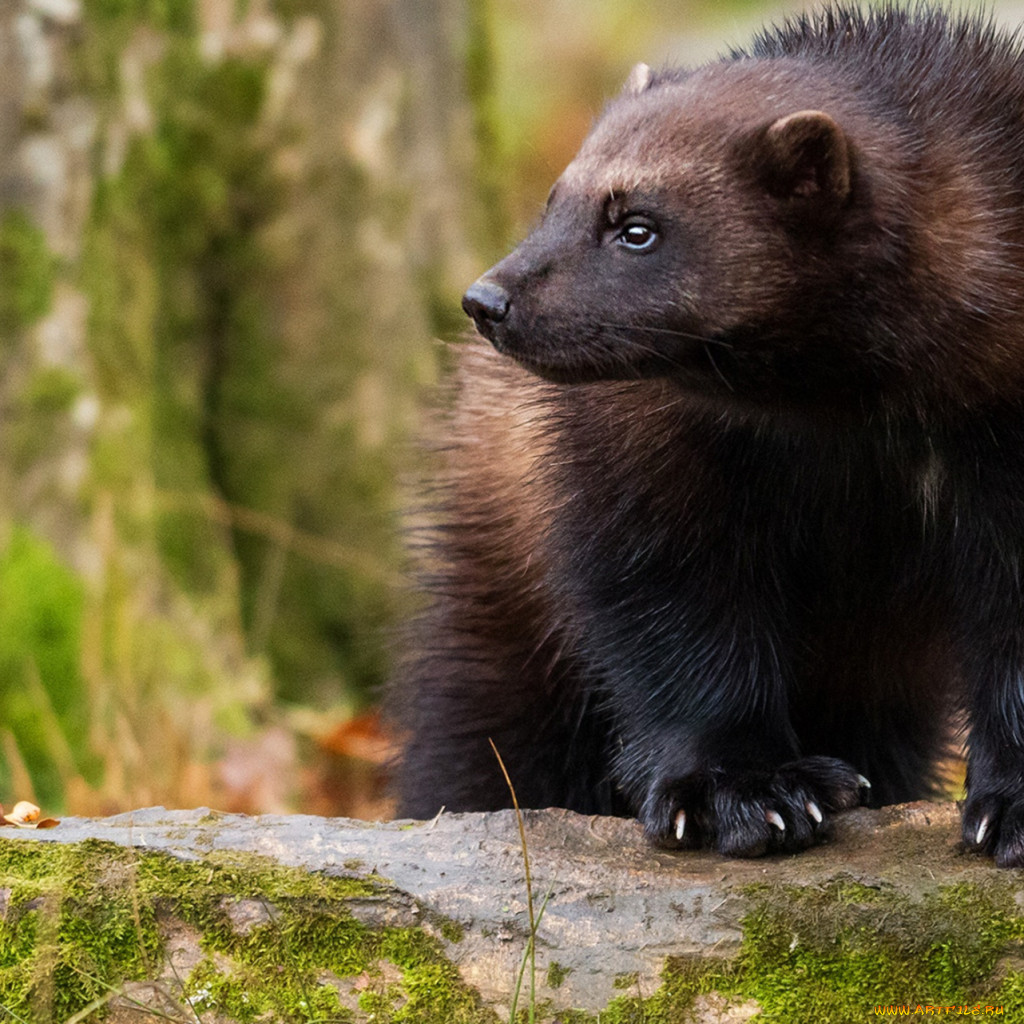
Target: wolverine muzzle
{"x":487,"y":303}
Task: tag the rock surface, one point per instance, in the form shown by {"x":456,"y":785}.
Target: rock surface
{"x":615,"y":907}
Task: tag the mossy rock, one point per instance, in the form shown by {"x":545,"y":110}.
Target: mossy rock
{"x":99,"y":929}
{"x":300,"y":918}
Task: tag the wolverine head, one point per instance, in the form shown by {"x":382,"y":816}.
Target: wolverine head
{"x":746,"y":229}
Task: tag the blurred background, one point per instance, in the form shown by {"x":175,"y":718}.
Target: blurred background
{"x":233,"y":238}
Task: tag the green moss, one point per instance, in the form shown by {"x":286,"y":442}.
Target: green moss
{"x":92,"y":916}
{"x":64,"y":934}
{"x":1010,"y":995}
{"x":833,"y":953}
{"x":430,"y":984}
{"x":27,"y":272}
{"x":450,"y":930}
{"x":557,"y":974}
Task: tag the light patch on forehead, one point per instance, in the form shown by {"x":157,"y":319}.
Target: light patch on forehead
{"x":680,"y":131}
{"x":626,"y":174}
{"x":643,"y":142}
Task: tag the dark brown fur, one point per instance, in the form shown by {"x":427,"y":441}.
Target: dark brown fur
{"x":744,"y":519}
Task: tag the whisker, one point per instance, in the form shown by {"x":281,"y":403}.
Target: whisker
{"x":721,"y":376}
{"x":626,"y":334}
{"x":620,"y":353}
{"x":668,"y":332}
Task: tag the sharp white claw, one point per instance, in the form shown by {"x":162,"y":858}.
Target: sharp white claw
{"x":979,"y":836}
{"x":774,"y":818}
{"x":863,"y":783}
{"x":814,"y":811}
{"x":680,"y":824}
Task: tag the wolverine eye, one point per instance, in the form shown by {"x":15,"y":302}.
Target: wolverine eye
{"x":638,"y":234}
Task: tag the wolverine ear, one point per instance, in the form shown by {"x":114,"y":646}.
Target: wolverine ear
{"x":806,"y":156}
{"x":639,"y":80}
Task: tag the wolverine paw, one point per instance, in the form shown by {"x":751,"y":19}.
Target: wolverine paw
{"x":993,"y":824}
{"x":749,"y":813}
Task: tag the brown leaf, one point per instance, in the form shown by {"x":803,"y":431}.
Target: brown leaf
{"x":363,"y":737}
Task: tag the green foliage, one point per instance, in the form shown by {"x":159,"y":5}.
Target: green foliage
{"x":557,"y":974}
{"x":27,"y":271}
{"x":44,"y":704}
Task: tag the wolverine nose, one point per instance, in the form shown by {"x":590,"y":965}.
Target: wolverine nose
{"x":486,"y":302}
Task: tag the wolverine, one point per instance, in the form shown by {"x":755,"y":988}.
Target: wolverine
{"x":727,"y":529}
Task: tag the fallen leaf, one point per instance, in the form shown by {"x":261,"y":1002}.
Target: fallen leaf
{"x":26,"y":815}
{"x":363,"y":737}
{"x":25,"y":811}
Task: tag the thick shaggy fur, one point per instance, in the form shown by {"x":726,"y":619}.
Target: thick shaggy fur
{"x":736,"y":517}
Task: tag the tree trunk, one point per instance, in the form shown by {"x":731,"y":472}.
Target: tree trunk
{"x":228,"y":235}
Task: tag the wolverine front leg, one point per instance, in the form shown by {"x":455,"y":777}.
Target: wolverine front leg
{"x":740,"y":793}
{"x":690,"y":618}
{"x":709,"y":757}
{"x":991,"y":657}
{"x":993,"y":813}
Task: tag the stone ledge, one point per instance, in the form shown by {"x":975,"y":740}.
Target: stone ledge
{"x":617,"y":911}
